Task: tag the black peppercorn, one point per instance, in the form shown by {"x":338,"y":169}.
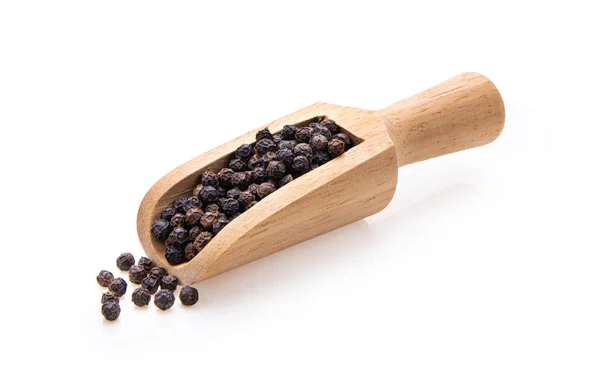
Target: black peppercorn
{"x":233,"y":193}
{"x":301,"y":163}
{"x":230,"y":206}
{"x":192,"y":202}
{"x":194,"y":232}
{"x":174,"y":255}
{"x":285,"y":180}
{"x":109,"y":296}
{"x":178,"y":237}
{"x":140,"y":297}
{"x":336,"y":147}
{"x":193,"y":216}
{"x":169,"y":282}
{"x":259,"y":174}
{"x":179,"y":203}
{"x":276,"y":169}
{"x":208,"y":220}
{"x":221,"y":191}
{"x":277,"y":138}
{"x":244,"y":152}
{"x":245,"y":198}
{"x":188,"y":295}
{"x":303,"y":149}
{"x":213,"y":207}
{"x":209,"y":178}
{"x":263,"y":134}
{"x":319,"y":129}
{"x":177,"y":220}
{"x":304,"y":134}
{"x":164,"y":299}
{"x":191,"y":250}
{"x":288,"y":132}
{"x":287,"y":145}
{"x":254,"y":161}
{"x":202,"y":239}
{"x":104,"y":278}
{"x":318,"y":142}
{"x":237,"y":165}
{"x":344,"y":138}
{"x":118,"y":287}
{"x":268,"y":157}
{"x":286,"y":156}
{"x":146,"y":263}
{"x":321,"y":157}
{"x":151,"y":284}
{"x":265,"y":189}
{"x":253,"y":188}
{"x":225,"y":176}
{"x":158,"y":272}
{"x":241,"y":179}
{"x":111,"y":311}
{"x":136,"y":274}
{"x":167,"y":213}
{"x":219,"y":225}
{"x":265,"y":145}
{"x":330,"y":125}
{"x":125,"y":261}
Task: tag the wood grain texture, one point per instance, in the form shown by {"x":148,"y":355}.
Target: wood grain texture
{"x":463,"y":112}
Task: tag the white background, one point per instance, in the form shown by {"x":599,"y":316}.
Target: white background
{"x":484,"y":258}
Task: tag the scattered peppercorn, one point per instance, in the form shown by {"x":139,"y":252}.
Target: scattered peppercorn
{"x":109,"y":296}
{"x":158,"y":272}
{"x":254,"y":171}
{"x":151,"y":284}
{"x":169,"y":282}
{"x":140,"y":297}
{"x":188,"y":295}
{"x":164,"y":299}
{"x":104,"y":278}
{"x":136,"y":274}
{"x":111,"y":311}
{"x":125,"y":261}
{"x":146,"y":263}
{"x":118,"y":287}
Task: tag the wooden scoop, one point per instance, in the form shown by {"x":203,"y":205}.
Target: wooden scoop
{"x":463,"y":112}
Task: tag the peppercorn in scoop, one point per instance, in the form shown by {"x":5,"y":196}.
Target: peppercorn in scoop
{"x":254,"y":172}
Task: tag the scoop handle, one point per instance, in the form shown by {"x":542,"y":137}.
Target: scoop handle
{"x":463,"y":112}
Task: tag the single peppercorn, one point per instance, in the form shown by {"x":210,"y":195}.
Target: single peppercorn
{"x":225,"y":176}
{"x":288,"y":132}
{"x":244,"y":152}
{"x":237,"y":165}
{"x":319,"y":129}
{"x":146,"y":263}
{"x":245,"y":198}
{"x":193,"y":216}
{"x":285,"y":180}
{"x":167,"y":213}
{"x":265,"y":145}
{"x":213,"y":207}
{"x":254,"y":161}
{"x":321,"y":157}
{"x":118,"y":287}
{"x":141,"y":297}
{"x":209,"y":194}
{"x":259,"y":174}
{"x":241,"y":179}
{"x":301,"y":163}
{"x":318,"y":142}
{"x":151,"y":284}
{"x":286,"y":156}
{"x":268,"y":157}
{"x":230,"y":206}
{"x":104,"y":278}
{"x":177,"y":220}
{"x":125,"y":261}
{"x":136,"y":274}
{"x":304,"y":134}
{"x":174,"y":255}
{"x":344,"y":138}
{"x":276,"y":169}
{"x":331,"y":125}
{"x":111,"y":311}
{"x":277,"y":138}
{"x":253,"y":188}
{"x":208,"y":220}
{"x":179,"y":203}
{"x":209,"y":178}
{"x":191,"y":250}
{"x":203,"y":239}
{"x":336,"y":147}
{"x":303,"y":149}
{"x":219,"y":225}
{"x":164,"y":299}
{"x":109,"y":296}
{"x":192,"y":202}
{"x":194,"y":232}
{"x":158,"y":272}
{"x":221,"y":190}
{"x":263,"y":134}
{"x":188,"y":295}
{"x":178,"y":237}
{"x":233,"y":193}
{"x":169,"y":282}
{"x":265,"y":189}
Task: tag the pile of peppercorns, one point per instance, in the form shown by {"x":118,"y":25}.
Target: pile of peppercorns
{"x":150,"y":277}
{"x":254,"y":172}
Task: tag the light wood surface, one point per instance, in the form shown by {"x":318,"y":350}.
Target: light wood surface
{"x":466,"y":111}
